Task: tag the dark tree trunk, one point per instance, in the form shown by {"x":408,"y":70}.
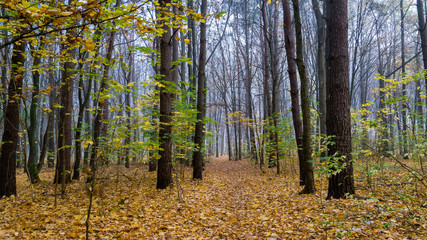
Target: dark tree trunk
{"x":267,"y":92}
{"x":50,"y":130}
{"x":34,"y":126}
{"x":63,"y":166}
{"x":10,"y":136}
{"x":199,"y":131}
{"x":164,"y":171}
{"x":338,"y":98}
{"x":305,"y":106}
{"x":292,"y":71}
{"x":423,"y":35}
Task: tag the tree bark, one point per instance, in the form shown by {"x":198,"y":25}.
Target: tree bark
{"x":10,"y":136}
{"x":305,"y":106}
{"x":199,"y":131}
{"x":338,"y":99}
{"x":63,"y":166}
{"x":164,"y":171}
{"x":33,"y":128}
{"x":423,"y":35}
{"x":292,"y":71}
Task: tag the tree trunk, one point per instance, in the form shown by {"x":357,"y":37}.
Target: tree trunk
{"x":34,"y":126}
{"x":199,"y":131}
{"x":423,"y":35}
{"x":248,"y":88}
{"x":404,"y":104}
{"x":292,"y":71}
{"x":338,"y":99}
{"x":305,"y":106}
{"x":63,"y":166}
{"x":164,"y":171}
{"x":10,"y":136}
{"x":51,"y":128}
{"x":83,"y":101}
{"x":321,"y":68}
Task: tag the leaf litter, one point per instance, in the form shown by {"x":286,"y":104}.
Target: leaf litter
{"x":235,"y":200}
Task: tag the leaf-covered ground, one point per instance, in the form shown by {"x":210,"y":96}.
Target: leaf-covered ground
{"x":235,"y":200}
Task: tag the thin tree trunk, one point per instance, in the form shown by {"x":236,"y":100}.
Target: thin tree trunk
{"x":33,"y":128}
{"x":199,"y":132}
{"x":404,"y":106}
{"x":305,"y":106}
{"x":423,"y":35}
{"x":321,"y":68}
{"x":83,"y":102}
{"x":292,"y":71}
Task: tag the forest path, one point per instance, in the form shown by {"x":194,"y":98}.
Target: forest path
{"x":243,"y":202}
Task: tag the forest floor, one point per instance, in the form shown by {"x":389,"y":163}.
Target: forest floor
{"x":235,"y":200}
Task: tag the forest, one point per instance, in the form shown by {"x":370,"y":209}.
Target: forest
{"x":219,"y":119}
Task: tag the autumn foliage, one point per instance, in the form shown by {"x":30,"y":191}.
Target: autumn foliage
{"x":234,"y":201}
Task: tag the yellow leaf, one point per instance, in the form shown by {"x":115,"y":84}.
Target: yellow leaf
{"x":55,"y":105}
{"x":66,"y":13}
{"x":87,"y":143}
{"x":187,"y":41}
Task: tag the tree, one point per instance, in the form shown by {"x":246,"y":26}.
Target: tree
{"x":63,"y":166}
{"x":83,"y":102}
{"x":164,"y":171}
{"x":10,"y":136}
{"x":34,"y":125}
{"x":305,"y":106}
{"x":292,"y":71}
{"x":199,"y":134}
{"x":423,"y":34}
{"x":341,"y":182}
{"x":321,"y":66}
{"x":271,"y":36}
{"x":248,"y":86}
{"x":404,"y":103}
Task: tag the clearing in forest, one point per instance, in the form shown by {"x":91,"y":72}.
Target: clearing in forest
{"x":235,"y":200}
